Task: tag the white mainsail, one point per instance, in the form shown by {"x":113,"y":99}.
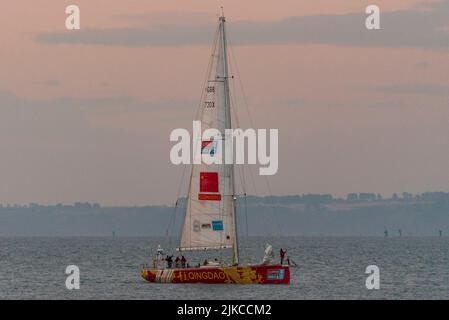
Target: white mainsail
{"x":209,"y":221}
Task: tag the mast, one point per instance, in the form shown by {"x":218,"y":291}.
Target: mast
{"x":228,"y":124}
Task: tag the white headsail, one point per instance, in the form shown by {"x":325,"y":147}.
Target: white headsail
{"x":210,"y":213}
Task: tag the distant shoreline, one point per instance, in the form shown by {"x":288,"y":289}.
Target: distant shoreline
{"x":309,"y":199}
{"x":308,"y":215}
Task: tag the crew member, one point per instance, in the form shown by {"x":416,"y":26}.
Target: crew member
{"x":282,"y":255}
{"x":183,"y":261}
{"x":169,"y":260}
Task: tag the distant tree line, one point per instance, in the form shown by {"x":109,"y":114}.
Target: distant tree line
{"x":309,"y":200}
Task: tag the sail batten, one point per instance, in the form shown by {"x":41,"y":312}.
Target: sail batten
{"x":209,"y":220}
{"x":203,"y":248}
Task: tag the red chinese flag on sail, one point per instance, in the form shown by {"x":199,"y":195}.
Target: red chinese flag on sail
{"x":208,"y":181}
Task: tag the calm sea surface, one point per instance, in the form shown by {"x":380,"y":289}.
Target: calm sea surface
{"x":329,"y":268}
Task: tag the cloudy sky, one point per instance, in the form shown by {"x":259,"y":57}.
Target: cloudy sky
{"x":86,"y":115}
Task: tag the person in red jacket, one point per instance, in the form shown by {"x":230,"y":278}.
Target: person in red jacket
{"x":282,"y":255}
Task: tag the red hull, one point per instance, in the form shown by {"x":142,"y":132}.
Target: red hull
{"x":258,"y":274}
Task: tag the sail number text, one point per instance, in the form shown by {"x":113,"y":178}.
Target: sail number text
{"x":209,"y":104}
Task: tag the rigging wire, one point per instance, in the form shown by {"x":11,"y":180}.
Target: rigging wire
{"x":172,"y":224}
{"x":242,"y":175}
{"x":240,"y":170}
{"x":245,"y":100}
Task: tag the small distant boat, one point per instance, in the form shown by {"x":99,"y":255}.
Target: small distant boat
{"x":210,"y":217}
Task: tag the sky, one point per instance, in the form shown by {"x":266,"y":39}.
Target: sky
{"x":85,"y":115}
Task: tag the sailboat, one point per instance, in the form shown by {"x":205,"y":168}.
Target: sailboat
{"x":210,"y":214}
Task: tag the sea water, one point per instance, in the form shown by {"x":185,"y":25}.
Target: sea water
{"x":328,"y":268}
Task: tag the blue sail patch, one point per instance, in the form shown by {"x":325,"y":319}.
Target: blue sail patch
{"x":217,"y":225}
